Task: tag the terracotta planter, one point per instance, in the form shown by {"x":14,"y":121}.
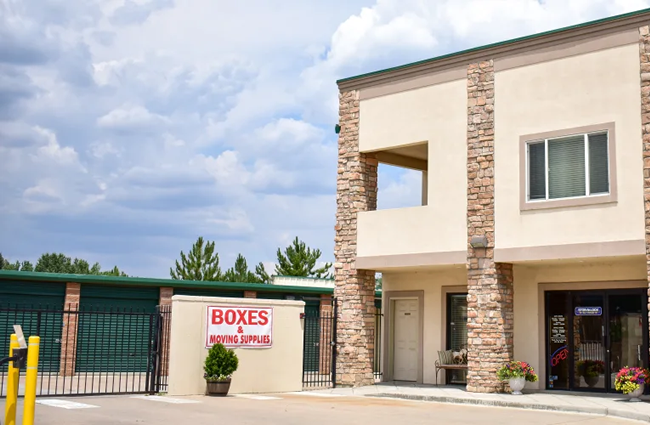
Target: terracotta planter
{"x":219,"y":388}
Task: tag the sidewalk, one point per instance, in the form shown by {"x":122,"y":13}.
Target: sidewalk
{"x":606,"y":404}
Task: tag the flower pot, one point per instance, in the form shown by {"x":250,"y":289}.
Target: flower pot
{"x":634,"y":395}
{"x":517,"y":384}
{"x":218,"y":388}
{"x":592,"y":381}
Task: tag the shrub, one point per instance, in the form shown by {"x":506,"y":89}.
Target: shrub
{"x":591,"y":368}
{"x":220,"y":363}
{"x":517,"y":370}
{"x":629,"y":379}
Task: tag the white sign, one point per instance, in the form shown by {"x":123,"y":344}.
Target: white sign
{"x":239,"y":327}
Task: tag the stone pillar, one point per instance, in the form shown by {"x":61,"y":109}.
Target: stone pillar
{"x":165,"y":302}
{"x":326,"y":334}
{"x":489,"y":285}
{"x":68,"y":354}
{"x":250,"y":294}
{"x":355,"y":289}
{"x":644,"y":58}
{"x":165,"y":297}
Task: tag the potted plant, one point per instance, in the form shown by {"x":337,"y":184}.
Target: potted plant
{"x":219,"y":366}
{"x":517,"y":373}
{"x":591,"y":371}
{"x":632,"y":380}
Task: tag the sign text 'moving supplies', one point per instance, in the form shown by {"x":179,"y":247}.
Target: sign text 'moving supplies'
{"x":239,"y":327}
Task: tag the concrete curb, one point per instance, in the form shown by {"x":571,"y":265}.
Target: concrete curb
{"x":603,"y":411}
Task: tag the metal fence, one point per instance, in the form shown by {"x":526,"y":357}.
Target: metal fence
{"x":319,"y":348}
{"x":377,"y":343}
{"x":93,"y":351}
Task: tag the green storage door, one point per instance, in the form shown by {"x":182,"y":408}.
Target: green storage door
{"x":272,"y":295}
{"x":114,"y":328}
{"x":311,"y":346}
{"x":203,"y":292}
{"x":37,"y":307}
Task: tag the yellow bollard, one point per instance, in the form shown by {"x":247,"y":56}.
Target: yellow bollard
{"x":30,"y":380}
{"x":13,"y":375}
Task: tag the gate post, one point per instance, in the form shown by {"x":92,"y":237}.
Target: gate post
{"x":326,"y":334}
{"x":68,"y":355}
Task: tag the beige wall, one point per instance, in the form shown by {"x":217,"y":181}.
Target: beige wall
{"x":529,"y":286}
{"x":436,"y":114}
{"x":434,"y":284}
{"x":277,"y":369}
{"x":411,"y":230}
{"x":594,"y":88}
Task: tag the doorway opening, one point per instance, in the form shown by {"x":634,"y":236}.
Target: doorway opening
{"x":591,"y":335}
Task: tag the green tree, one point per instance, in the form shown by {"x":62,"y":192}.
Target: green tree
{"x":201,"y":263}
{"x":114,"y":272}
{"x":300,"y":260}
{"x":240,"y":273}
{"x":262,"y":275}
{"x":25,"y":266}
{"x":58,"y":263}
{"x":61,"y":263}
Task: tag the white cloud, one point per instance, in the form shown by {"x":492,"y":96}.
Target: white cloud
{"x":130,"y":127}
{"x":130,"y":117}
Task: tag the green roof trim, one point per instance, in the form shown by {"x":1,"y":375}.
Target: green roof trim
{"x":497,"y":44}
{"x":302,"y":277}
{"x":145,"y":281}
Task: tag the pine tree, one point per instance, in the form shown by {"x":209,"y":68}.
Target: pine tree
{"x":262,"y":275}
{"x":240,"y":272}
{"x":299,"y":260}
{"x":202,"y":263}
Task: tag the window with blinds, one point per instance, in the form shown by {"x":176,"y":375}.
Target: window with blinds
{"x":568,"y":167}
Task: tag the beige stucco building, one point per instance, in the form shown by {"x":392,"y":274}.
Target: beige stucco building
{"x":531,"y":242}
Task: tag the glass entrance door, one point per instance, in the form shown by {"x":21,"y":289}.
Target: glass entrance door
{"x":626,"y":336}
{"x":589,"y":340}
{"x":591,"y":335}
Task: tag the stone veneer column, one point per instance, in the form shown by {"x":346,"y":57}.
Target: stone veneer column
{"x":68,"y":354}
{"x":644,"y":58}
{"x":326,"y":334}
{"x":489,"y":284}
{"x":355,"y":289}
{"x":165,"y":301}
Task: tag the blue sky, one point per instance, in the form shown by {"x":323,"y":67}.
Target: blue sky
{"x":130,"y":128}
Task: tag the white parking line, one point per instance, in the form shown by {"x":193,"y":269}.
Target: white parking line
{"x":165,"y":399}
{"x":257,"y":397}
{"x":314,"y":394}
{"x":63,"y":404}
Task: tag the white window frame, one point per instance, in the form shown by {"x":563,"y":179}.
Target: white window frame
{"x":587,"y":166}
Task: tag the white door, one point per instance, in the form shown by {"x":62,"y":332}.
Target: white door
{"x":405,"y":335}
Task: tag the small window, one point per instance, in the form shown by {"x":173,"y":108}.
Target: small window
{"x":568,"y":167}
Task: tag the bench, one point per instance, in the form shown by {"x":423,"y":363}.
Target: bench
{"x":446,"y":362}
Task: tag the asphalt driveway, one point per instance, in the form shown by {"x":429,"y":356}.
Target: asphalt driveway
{"x":285,"y":409}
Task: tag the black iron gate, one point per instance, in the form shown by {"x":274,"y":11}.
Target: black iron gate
{"x":319,"y":348}
{"x":93,"y":351}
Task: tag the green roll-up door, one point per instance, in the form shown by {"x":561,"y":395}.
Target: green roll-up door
{"x":204,"y":292}
{"x":115,"y":324}
{"x":272,"y":295}
{"x":37,"y":307}
{"x":313,"y":324}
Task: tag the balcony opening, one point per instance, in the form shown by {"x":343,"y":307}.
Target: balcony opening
{"x":402,"y":176}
